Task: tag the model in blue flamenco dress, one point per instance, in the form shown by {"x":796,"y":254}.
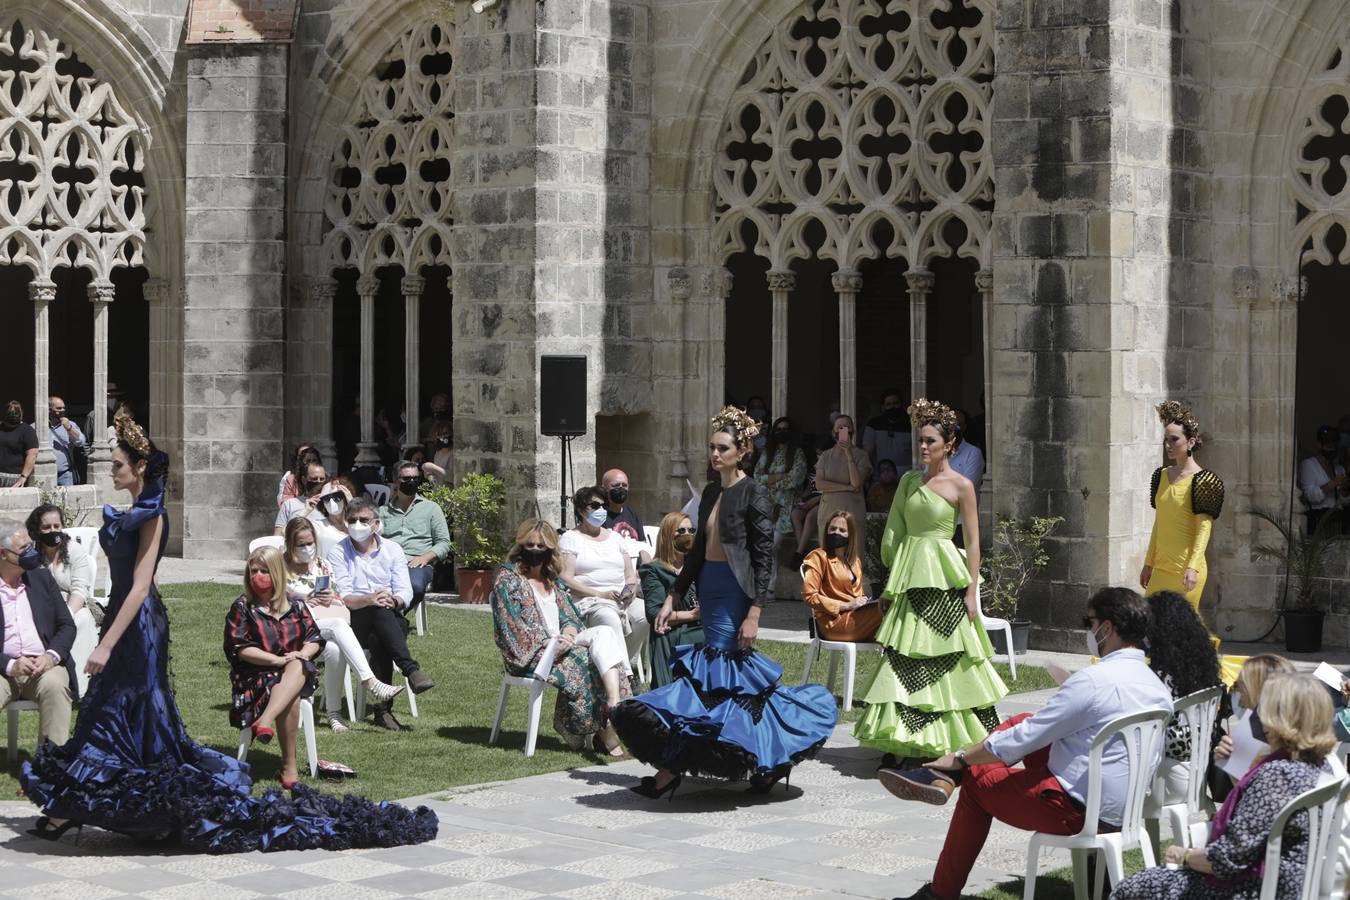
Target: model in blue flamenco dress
{"x":725,"y":714}
{"x":130,"y":766}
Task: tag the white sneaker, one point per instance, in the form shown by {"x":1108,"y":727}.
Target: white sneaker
{"x":337,"y":723}
{"x":381,"y":692}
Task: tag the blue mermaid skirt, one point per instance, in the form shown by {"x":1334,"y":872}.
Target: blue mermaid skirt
{"x":130,"y":767}
{"x":725,"y":715}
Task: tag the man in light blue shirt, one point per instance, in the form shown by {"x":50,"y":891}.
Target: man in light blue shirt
{"x":67,"y":441}
{"x":1050,"y":789}
{"x":968,"y":459}
{"x":370,"y":574}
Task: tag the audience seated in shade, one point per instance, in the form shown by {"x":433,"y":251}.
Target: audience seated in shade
{"x":290,"y":484}
{"x":833,"y":585}
{"x":313,"y":484}
{"x":1048,"y":792}
{"x":1182,"y":655}
{"x":304,"y":572}
{"x":417,"y":525}
{"x":331,"y":525}
{"x":36,"y":634}
{"x":371,"y":575}
{"x":270,"y":641}
{"x":882,"y":491}
{"x":597,"y":567}
{"x":673,"y":540}
{"x":530,"y":607}
{"x":1296,"y":713}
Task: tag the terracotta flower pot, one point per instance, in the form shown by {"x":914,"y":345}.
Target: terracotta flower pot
{"x":475,"y":585}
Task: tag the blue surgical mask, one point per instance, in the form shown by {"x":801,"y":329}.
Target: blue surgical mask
{"x":31,"y":558}
{"x":597,"y":517}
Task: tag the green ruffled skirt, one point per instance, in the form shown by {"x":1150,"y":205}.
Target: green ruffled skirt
{"x":936,"y":687}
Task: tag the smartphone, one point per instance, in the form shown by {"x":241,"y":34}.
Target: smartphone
{"x":322,"y":583}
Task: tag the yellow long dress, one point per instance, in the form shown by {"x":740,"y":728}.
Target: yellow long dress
{"x":1186,"y":510}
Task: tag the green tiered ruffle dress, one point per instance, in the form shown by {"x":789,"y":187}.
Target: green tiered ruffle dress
{"x":936,"y":687}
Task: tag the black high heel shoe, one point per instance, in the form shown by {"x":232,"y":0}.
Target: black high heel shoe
{"x":760,"y":784}
{"x":48,"y":832}
{"x":647,"y":788}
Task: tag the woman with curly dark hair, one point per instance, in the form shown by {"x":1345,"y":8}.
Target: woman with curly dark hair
{"x":1182,"y":655}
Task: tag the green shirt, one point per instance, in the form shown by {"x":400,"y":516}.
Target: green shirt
{"x":422,"y":528}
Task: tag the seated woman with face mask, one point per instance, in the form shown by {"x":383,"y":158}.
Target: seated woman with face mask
{"x":833,"y":585}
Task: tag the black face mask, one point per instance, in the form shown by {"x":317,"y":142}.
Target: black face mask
{"x":782,"y":435}
{"x":443,"y":441}
{"x":408,"y":486}
{"x":12,"y":419}
{"x":535,"y":556}
{"x":618,"y":494}
{"x":834,"y":542}
{"x":52,"y":538}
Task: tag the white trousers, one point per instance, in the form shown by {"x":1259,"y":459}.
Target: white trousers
{"x":341,"y":647}
{"x":607,"y":651}
{"x":608,"y":614}
{"x":86,"y":639}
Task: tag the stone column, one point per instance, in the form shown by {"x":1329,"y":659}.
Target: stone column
{"x":318,"y":416}
{"x":367,"y":286}
{"x":984,"y":283}
{"x":42,"y":292}
{"x":920,"y":286}
{"x":781,"y":283}
{"x":847,"y":284}
{"x":412,"y":286}
{"x":101,"y":294}
{"x":717,"y":289}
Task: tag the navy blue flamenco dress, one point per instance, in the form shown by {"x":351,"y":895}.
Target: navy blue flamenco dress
{"x":725,"y":715}
{"x":131,"y":768}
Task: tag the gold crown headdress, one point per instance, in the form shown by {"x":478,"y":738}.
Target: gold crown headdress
{"x":745,"y":428}
{"x":923,"y":411}
{"x":130,"y":433}
{"x":1175,"y":412}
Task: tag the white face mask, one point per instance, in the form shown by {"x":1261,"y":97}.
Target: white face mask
{"x":306,"y":554}
{"x":333,"y":507}
{"x":597,"y":517}
{"x":359,"y":531}
{"x":1093,"y":648}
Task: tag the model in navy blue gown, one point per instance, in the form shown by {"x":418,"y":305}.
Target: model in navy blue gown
{"x":725,"y":714}
{"x":130,"y":766}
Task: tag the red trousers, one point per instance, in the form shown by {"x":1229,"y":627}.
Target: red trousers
{"x":1029,"y":798}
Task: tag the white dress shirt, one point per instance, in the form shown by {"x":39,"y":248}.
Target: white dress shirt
{"x":969,"y":461}
{"x":1119,"y":684}
{"x":1315,"y":483}
{"x":385,"y":565}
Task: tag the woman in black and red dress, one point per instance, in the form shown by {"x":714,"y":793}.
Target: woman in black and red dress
{"x":271,"y":641}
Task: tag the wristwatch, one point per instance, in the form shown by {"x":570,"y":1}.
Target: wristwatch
{"x":960,"y":757}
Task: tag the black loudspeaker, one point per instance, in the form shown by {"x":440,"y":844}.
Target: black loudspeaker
{"x":562,"y":396}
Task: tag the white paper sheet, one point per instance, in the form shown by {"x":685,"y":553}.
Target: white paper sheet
{"x":1246,"y":749}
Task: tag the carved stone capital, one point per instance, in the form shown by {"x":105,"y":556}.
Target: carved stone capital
{"x":847,"y":282}
{"x":680,"y":286}
{"x":102,"y":292}
{"x":156,"y":291}
{"x":367,"y":286}
{"x":782,"y":279}
{"x":717,"y":283}
{"x":1287,"y":289}
{"x":984,"y":281}
{"x":42,"y":291}
{"x":1246,"y":284}
{"x":413,"y":285}
{"x":920,"y":281}
{"x":321,"y":291}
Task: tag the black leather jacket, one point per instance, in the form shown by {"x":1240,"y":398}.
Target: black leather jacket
{"x":745,"y":522}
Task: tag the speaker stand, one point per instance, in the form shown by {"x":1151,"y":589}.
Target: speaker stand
{"x":562,"y":471}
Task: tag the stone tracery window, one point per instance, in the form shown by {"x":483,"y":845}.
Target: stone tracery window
{"x":1319,"y":177}
{"x":388,"y":200}
{"x":72,"y":192}
{"x":856,"y":112}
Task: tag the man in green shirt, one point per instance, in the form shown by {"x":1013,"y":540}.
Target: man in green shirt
{"x":418,"y":526}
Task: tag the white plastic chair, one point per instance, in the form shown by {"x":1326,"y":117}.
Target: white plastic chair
{"x":87,"y":538}
{"x":420,"y":618}
{"x":994,"y":623}
{"x":1142,"y":733}
{"x":848,"y":649}
{"x":12,"y":709}
{"x":379,"y":493}
{"x":275,"y":541}
{"x":86,"y":639}
{"x":306,"y":730}
{"x":1199,"y":711}
{"x":1324,"y":805}
{"x":535,"y":683}
{"x":650,"y":532}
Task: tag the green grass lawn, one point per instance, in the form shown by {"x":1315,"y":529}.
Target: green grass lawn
{"x":448,"y":744}
{"x":1058,"y":884}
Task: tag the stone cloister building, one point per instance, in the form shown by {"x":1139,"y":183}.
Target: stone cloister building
{"x":274,"y":221}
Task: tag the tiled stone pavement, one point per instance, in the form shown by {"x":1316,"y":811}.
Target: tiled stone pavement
{"x":578,"y":834}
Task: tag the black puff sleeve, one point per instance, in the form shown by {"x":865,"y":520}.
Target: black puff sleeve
{"x":1206,"y":494}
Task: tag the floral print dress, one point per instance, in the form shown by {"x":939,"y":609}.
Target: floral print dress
{"x":790,"y":462}
{"x":521,"y":636}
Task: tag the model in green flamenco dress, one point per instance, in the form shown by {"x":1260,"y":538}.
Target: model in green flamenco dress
{"x":936,"y":687}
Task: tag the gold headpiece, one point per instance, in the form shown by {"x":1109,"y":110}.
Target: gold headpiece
{"x":1175,"y":412}
{"x":130,"y":433}
{"x":745,"y":428}
{"x":923,"y":411}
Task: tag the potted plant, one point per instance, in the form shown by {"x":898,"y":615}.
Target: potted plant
{"x":1016,"y":555}
{"x":1303,"y":555}
{"x":475,"y":508}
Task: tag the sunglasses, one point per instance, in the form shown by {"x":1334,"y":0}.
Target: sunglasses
{"x":1090,"y":622}
{"x":595,"y":504}
{"x":684,"y":531}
